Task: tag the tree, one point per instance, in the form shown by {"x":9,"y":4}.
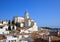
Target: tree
{"x":9,"y":22}
{"x":9,"y":28}
{"x":47,"y":28}
{"x":17,"y":24}
{"x":13,"y":22}
{"x":13,"y":28}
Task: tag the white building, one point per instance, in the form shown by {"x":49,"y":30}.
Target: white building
{"x":5,"y":22}
{"x":11,"y":38}
{"x":27,"y":22}
{"x":18,"y":19}
{"x":3,"y":30}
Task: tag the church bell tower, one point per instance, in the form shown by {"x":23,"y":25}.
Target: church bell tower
{"x":26,"y":17}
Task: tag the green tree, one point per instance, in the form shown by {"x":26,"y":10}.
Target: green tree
{"x":9,"y":22}
{"x":13,"y":28}
{"x":13,"y":22}
{"x":46,"y":28}
{"x":18,"y":24}
{"x":9,"y":28}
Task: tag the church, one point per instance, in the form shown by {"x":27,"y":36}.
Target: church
{"x":26,"y":22}
{"x":25,"y":29}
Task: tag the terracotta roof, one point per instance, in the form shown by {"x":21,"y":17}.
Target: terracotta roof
{"x":3,"y":21}
{"x":0,"y":21}
{"x":15,"y":31}
{"x":1,"y":25}
{"x":35,"y":35}
{"x":40,"y":40}
{"x":55,"y":38}
{"x":18,"y":34}
{"x":2,"y":37}
{"x":22,"y":28}
{"x":59,"y":32}
{"x":24,"y":33}
{"x":43,"y":31}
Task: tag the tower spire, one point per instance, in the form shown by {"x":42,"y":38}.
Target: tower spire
{"x":26,"y":14}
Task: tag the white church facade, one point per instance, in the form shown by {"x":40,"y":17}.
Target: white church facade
{"x":26,"y":22}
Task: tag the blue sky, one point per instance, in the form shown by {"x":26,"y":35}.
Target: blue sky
{"x":44,"y":12}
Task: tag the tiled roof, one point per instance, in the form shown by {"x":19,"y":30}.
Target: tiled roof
{"x":55,"y":38}
{"x":22,"y":28}
{"x":0,"y":21}
{"x":1,"y":25}
{"x":2,"y":37}
{"x":3,"y":21}
{"x":15,"y":31}
{"x":59,"y":32}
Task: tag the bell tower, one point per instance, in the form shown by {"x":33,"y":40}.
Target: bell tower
{"x":26,"y":15}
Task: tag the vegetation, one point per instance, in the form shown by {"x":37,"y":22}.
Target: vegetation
{"x":17,"y":24}
{"x":13,"y":22}
{"x":9,"y":22}
{"x":46,"y":28}
{"x":13,"y":28}
{"x":9,"y":28}
{"x":50,"y":28}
